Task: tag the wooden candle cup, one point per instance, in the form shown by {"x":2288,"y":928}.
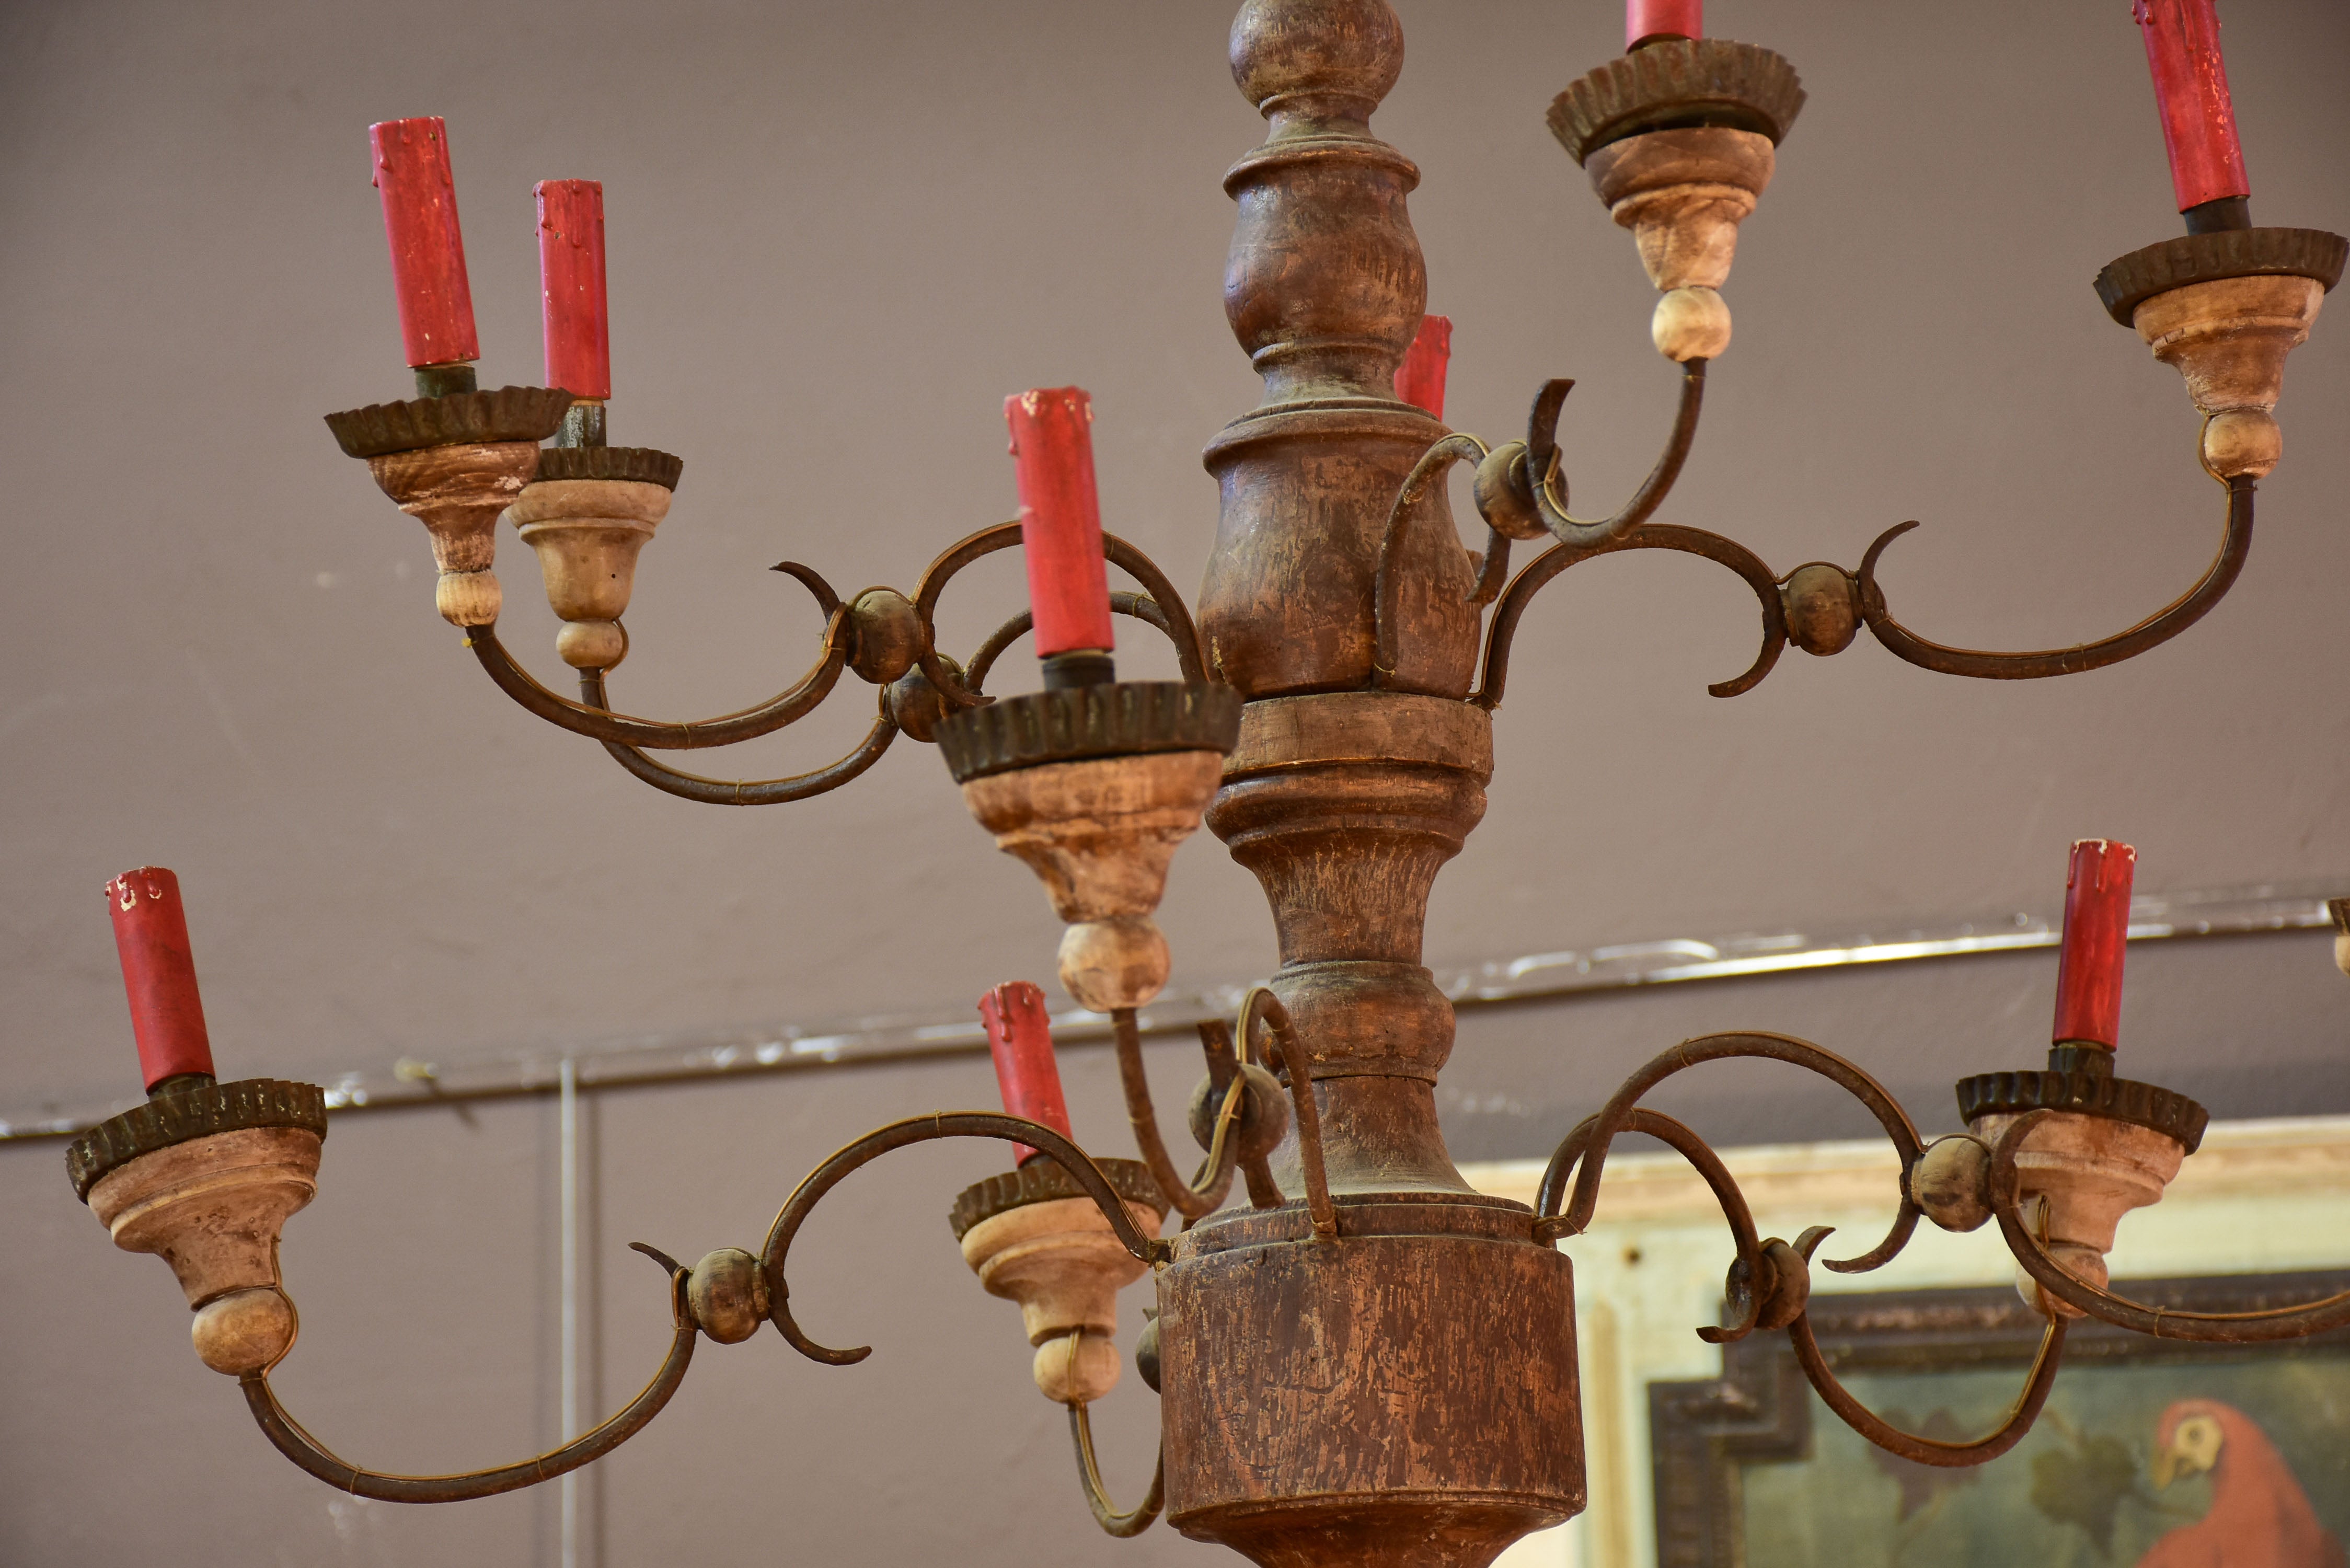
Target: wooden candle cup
{"x":211,"y":1208}
{"x":1063,"y":1264}
{"x":1100,"y":833}
{"x":2229,"y":337}
{"x":457,"y":492}
{"x":586,"y":534}
{"x":2077,"y":1175}
{"x":1683,"y":194}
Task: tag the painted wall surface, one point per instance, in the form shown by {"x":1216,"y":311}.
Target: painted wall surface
{"x":840,"y":234}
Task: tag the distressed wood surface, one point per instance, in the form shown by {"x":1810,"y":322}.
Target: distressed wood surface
{"x":1404,"y":1394}
{"x":1380,"y":1399}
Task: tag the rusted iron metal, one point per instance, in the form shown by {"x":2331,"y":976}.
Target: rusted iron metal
{"x":1546,"y":483}
{"x":1205,"y":1193}
{"x":1386,"y":583}
{"x":744,"y":792}
{"x":1262,"y":1006}
{"x":850,"y":632}
{"x":1932,"y":1450}
{"x":1740,"y":1292}
{"x":1654,"y":536}
{"x":1132,"y":1522}
{"x":297,"y":1445}
{"x":852,"y":1157}
{"x":1576,"y":1217}
{"x":1141,"y":607}
{"x":2192,"y":606}
{"x":1174,"y":618}
{"x":1768,"y":1283}
{"x":749,"y":725}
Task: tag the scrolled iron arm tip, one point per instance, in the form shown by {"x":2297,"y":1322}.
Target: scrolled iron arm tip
{"x":1541,"y":466}
{"x":1140,"y":606}
{"x":842,"y":1163}
{"x":1769,"y":1285}
{"x":628,"y":737}
{"x":1745,"y":1303}
{"x":307,"y":1452}
{"x":1713,"y":547}
{"x":1176,"y":616}
{"x":1526,"y":499}
{"x":1574,"y":1216}
{"x":2235,"y":546}
{"x":1386,"y":582}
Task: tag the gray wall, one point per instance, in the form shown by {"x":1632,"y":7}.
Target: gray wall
{"x":839,"y":236}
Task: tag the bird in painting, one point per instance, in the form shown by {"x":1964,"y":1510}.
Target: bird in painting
{"x":2259,"y":1517}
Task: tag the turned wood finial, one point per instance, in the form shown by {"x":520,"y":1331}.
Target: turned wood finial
{"x":1326,"y":284}
{"x":1301,"y":61}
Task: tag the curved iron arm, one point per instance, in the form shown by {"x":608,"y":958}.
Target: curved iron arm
{"x":1386,"y":582}
{"x":925,"y":1129}
{"x":1492,"y":568}
{"x":1745,"y":1302}
{"x":693,"y":735}
{"x":1657,"y":536}
{"x":1179,"y":629}
{"x":1256,"y":1168}
{"x":2159,"y":627}
{"x":744,"y":791}
{"x":1542,"y":463}
{"x":1261,"y":1005}
{"x":1136,"y":1519}
{"x":306,"y":1451}
{"x":2206,"y":1327}
{"x":1205,"y":1193}
{"x":1931,"y":1450}
{"x":1141,"y":607}
{"x":1614,"y":1116}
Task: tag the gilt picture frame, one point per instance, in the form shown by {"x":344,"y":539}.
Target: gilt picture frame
{"x":2150,"y":1454}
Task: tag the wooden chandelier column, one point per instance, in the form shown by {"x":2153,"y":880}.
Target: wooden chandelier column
{"x":1405,"y":1394}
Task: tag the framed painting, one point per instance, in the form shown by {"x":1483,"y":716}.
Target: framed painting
{"x":2150,"y":1454}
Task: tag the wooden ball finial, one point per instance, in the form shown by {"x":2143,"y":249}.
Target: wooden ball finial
{"x":1316,"y":58}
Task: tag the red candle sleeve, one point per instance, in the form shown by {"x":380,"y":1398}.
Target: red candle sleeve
{"x":1646,"y":20}
{"x":1419,"y":380}
{"x":428,"y":252}
{"x":1020,"y":1038}
{"x":151,"y":930}
{"x":2191,"y":88}
{"x":1060,"y":518}
{"x":2096,"y":928}
{"x":571,"y":287}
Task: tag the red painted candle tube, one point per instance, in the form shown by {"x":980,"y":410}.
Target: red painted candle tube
{"x":1419,"y":380}
{"x":2096,"y":927}
{"x":1646,"y":21}
{"x":2191,"y":88}
{"x":1020,"y":1038}
{"x":571,"y":287}
{"x":428,"y":252}
{"x":150,"y":932}
{"x":1060,"y":518}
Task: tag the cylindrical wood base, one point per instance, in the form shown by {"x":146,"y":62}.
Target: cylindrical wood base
{"x":1405,"y":1394}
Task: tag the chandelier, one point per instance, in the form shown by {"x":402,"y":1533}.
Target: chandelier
{"x":1359,"y":1358}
